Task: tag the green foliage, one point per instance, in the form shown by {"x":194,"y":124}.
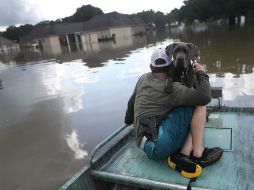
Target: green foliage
{"x":14,"y":33}
{"x":84,"y":13}
{"x":45,"y":22}
{"x":209,"y":10}
{"x":147,"y":16}
{"x":173,"y":16}
{"x":153,"y":17}
{"x":160,"y":19}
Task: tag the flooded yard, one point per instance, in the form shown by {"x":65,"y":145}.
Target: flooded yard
{"x":55,"y":107}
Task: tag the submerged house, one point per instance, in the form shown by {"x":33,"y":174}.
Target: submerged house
{"x":114,"y":25}
{"x":7,"y":46}
{"x":61,"y":37}
{"x":54,"y":38}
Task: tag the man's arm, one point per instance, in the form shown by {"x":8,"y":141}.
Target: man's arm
{"x":129,"y":116}
{"x":199,"y":96}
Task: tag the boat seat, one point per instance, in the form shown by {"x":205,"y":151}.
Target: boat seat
{"x":216,"y":93}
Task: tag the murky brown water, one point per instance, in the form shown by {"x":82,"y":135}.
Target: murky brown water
{"x":56,"y":107}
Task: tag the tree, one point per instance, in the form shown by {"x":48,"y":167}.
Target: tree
{"x":44,"y":22}
{"x":173,"y":16}
{"x":84,"y":13}
{"x":209,"y":10}
{"x":147,"y":16}
{"x":153,"y":17}
{"x":160,"y":19}
{"x":14,"y":33}
{"x":25,"y":29}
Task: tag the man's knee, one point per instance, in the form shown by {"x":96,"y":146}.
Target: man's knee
{"x":166,"y":145}
{"x":158,"y":150}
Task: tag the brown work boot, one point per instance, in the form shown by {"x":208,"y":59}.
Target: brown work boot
{"x":209,"y":156}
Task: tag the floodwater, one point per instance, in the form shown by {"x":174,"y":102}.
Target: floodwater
{"x":55,"y":107}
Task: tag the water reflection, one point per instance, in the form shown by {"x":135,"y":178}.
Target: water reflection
{"x":40,"y":139}
{"x":237,"y":91}
{"x":93,"y":54}
{"x":59,"y":102}
{"x":1,"y":84}
{"x":74,"y":101}
{"x":224,"y":49}
{"x":75,"y":146}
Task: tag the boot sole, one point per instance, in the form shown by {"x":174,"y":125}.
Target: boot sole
{"x":187,"y":174}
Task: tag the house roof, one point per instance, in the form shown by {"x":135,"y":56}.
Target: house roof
{"x":99,"y":22}
{"x":67,"y":28}
{"x":55,"y":29}
{"x":4,"y":41}
{"x":113,"y":19}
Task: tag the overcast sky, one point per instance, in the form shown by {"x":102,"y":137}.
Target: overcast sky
{"x":15,"y":12}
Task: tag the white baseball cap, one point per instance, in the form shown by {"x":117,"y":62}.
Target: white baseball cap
{"x":160,"y":54}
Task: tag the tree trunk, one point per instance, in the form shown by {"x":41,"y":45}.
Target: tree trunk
{"x":231,"y":20}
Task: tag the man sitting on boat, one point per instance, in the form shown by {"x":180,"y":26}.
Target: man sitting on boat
{"x":169,"y":118}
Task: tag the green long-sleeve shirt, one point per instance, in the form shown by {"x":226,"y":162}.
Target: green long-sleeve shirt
{"x":155,"y":96}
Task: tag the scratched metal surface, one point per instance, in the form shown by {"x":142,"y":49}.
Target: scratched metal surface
{"x":234,"y":171}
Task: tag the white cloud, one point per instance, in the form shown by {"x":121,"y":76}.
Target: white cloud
{"x":15,"y":12}
{"x":34,"y":11}
{"x":54,"y":9}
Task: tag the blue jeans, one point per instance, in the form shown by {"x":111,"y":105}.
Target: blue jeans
{"x":172,"y":134}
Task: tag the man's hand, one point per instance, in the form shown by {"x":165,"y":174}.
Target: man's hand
{"x":198,"y":67}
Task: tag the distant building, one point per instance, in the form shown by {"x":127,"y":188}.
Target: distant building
{"x":198,"y":26}
{"x":7,"y":46}
{"x":174,"y":24}
{"x":150,"y":26}
{"x":54,"y":38}
{"x":75,"y":36}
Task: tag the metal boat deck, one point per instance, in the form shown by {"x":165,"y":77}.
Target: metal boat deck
{"x":231,"y":130}
{"x":120,"y":161}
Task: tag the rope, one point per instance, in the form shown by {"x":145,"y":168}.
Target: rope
{"x":191,"y":181}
